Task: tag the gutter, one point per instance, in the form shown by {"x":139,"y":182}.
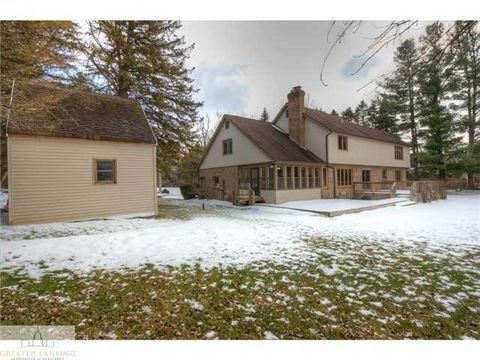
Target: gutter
{"x":326,"y":155}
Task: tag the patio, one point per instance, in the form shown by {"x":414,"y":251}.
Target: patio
{"x":336,"y":207}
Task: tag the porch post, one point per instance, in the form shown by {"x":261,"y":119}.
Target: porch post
{"x":275,"y":178}
{"x":284,"y":177}
{"x":292,"y":177}
{"x":267,"y":178}
{"x":314,"y":178}
{"x":300,"y":176}
{"x":307,"y":177}
{"x":260,"y":175}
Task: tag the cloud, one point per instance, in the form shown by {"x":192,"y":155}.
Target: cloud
{"x":222,"y":87}
{"x":354,"y":63}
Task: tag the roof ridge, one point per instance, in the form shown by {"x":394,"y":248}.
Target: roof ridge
{"x":55,"y":86}
{"x":345,"y":126}
{"x":271,"y":145}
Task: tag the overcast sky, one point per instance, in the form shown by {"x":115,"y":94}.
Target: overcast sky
{"x":243,"y":66}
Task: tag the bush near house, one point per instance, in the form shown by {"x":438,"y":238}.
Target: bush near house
{"x":189,"y":191}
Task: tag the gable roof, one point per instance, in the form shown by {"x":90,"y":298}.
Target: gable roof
{"x":46,"y":110}
{"x":336,"y":124}
{"x":272,"y":141}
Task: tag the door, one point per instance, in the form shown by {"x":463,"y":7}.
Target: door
{"x":366,"y":179}
{"x":255,"y":180}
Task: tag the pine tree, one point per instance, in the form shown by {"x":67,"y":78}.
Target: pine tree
{"x":264,"y":116}
{"x":37,"y":50}
{"x":385,"y":118}
{"x":334,"y":112}
{"x":145,"y":61}
{"x":467,"y":87}
{"x":32,"y":50}
{"x":348,"y":115}
{"x":401,"y":89}
{"x":361,"y":113}
{"x":372,"y":114}
{"x":441,"y":143}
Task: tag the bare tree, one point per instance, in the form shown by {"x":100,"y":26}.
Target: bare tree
{"x":387,"y":35}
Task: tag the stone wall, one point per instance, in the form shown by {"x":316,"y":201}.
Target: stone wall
{"x":426,"y":191}
{"x":327,"y":191}
{"x":227,"y":184}
{"x":296,"y":119}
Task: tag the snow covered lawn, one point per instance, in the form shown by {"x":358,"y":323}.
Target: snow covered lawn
{"x":173,"y":193}
{"x":324,"y":205}
{"x":3,"y":198}
{"x":252,"y":272}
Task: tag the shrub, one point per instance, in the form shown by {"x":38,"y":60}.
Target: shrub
{"x":189,"y":191}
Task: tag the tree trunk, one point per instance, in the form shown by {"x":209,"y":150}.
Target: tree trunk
{"x":413,"y":128}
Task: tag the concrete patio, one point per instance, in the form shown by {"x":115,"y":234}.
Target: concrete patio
{"x":336,"y":207}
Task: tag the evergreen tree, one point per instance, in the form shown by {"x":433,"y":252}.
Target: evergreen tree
{"x":401,"y":89}
{"x":361,"y":113}
{"x":385,"y":118}
{"x":372,"y":114}
{"x":348,"y":115}
{"x":334,"y":112}
{"x":467,"y":87}
{"x":145,"y":61}
{"x":32,"y":50}
{"x":264,"y":116}
{"x":441,"y":143}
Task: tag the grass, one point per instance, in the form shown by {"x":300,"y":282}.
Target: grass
{"x":333,"y":289}
{"x":169,"y":210}
{"x":293,"y":301}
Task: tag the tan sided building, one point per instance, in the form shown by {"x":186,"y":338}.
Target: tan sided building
{"x":73,"y":155}
{"x":302,"y":154}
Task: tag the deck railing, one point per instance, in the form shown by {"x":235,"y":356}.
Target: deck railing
{"x":363,"y":188}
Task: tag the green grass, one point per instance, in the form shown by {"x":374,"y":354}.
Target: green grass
{"x":292,"y":301}
{"x":167,"y":210}
{"x":375,"y":290}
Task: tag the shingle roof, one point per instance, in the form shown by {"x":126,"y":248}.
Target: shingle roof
{"x":336,"y":124}
{"x":44,"y":109}
{"x":272,"y":141}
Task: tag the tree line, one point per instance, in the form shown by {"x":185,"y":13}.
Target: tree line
{"x":140,"y":60}
{"x":431,"y":98}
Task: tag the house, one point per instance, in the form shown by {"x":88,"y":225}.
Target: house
{"x":302,"y":154}
{"x":74,"y":155}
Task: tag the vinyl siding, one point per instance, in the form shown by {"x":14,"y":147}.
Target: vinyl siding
{"x":315,"y":139}
{"x":368,"y":152}
{"x":52,"y":179}
{"x":282,"y":122}
{"x":244,"y":151}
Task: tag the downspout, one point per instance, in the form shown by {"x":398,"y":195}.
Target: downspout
{"x":326,"y":153}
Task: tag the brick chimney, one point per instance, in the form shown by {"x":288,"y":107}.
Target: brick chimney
{"x":296,"y":120}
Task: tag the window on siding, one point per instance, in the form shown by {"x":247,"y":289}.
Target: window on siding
{"x":344,"y":177}
{"x":398,"y":175}
{"x":384,"y":174}
{"x":105,"y":171}
{"x":216,"y":181}
{"x":227,"y":124}
{"x":398,"y":152}
{"x":342,"y":142}
{"x":227,"y":147}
